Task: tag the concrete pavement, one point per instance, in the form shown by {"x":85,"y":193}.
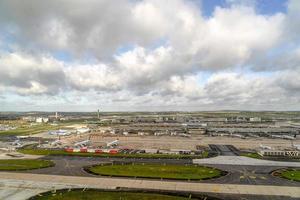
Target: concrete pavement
{"x":241,"y":160}
{"x":16,"y":155}
{"x":40,"y":183}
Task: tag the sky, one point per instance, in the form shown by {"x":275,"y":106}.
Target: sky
{"x":149,"y":55}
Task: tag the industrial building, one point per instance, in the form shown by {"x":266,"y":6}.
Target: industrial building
{"x":280,"y":153}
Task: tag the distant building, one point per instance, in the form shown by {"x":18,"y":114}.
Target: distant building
{"x":29,"y":119}
{"x":42,"y":120}
{"x":236,"y":119}
{"x":280,"y":153}
{"x":255,"y":119}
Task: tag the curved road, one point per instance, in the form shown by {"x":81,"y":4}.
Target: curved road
{"x":19,"y":186}
{"x":238,"y":174}
{"x":244,"y":181}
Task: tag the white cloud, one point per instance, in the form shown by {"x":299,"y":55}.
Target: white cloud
{"x":97,"y":77}
{"x":171,"y":42}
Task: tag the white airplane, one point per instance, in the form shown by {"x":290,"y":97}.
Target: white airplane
{"x":297,"y":146}
{"x":60,"y":132}
{"x":184,"y":135}
{"x":83,"y":130}
{"x":288,"y":137}
{"x":238,"y":136}
{"x":253,"y":135}
{"x":23,"y":136}
{"x":222,"y":134}
{"x":265,"y":147}
{"x":174,"y":133}
{"x":55,"y":143}
{"x":16,"y":143}
{"x":113,"y":143}
{"x":160,"y":133}
{"x":276,"y":136}
{"x":82,"y":143}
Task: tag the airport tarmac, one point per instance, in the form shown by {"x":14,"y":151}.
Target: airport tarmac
{"x":242,"y":160}
{"x":238,"y":174}
{"x":243,"y":171}
{"x":15,"y":155}
{"x":19,"y":186}
{"x":175,"y":142}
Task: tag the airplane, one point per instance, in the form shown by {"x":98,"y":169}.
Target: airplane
{"x":23,"y":136}
{"x":288,"y":137}
{"x":265,"y":147}
{"x":238,"y":135}
{"x":16,"y":143}
{"x":82,"y":143}
{"x":113,"y":143}
{"x":55,"y":143}
{"x":297,"y":146}
{"x":173,"y":133}
{"x":83,"y":130}
{"x":276,"y":136}
{"x":184,"y":135}
{"x":60,"y":132}
{"x":252,"y":135}
{"x":222,"y":134}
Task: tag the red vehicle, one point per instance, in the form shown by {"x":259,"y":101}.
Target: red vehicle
{"x":113,"y":151}
{"x":70,"y":150}
{"x":83,"y":150}
{"x":98,"y":151}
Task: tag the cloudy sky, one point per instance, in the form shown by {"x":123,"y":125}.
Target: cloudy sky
{"x":149,"y":55}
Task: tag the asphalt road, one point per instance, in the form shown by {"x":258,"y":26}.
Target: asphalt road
{"x":223,"y":150}
{"x":21,"y":184}
{"x":73,"y":165}
{"x":250,"y":175}
{"x":237,"y":174}
{"x":243,"y":175}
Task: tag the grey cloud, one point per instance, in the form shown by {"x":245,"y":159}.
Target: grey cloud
{"x":292,"y":25}
{"x":290,"y":81}
{"x":99,"y":27}
{"x":27,"y":74}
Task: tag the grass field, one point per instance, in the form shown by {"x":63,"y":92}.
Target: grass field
{"x":26,"y":129}
{"x":257,"y":156}
{"x":14,"y":165}
{"x":182,"y":172}
{"x":100,"y":195}
{"x":252,"y":155}
{"x":291,"y":174}
{"x":33,"y":151}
